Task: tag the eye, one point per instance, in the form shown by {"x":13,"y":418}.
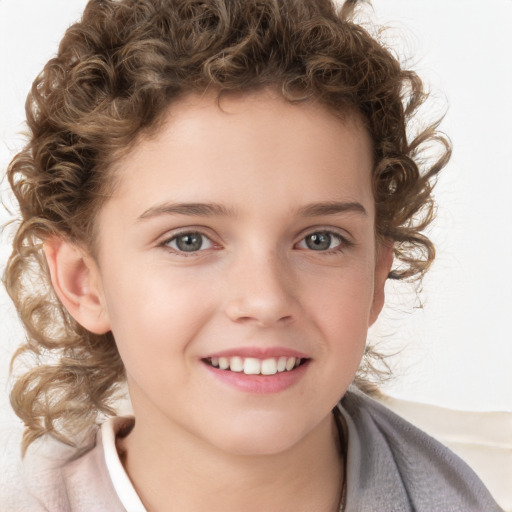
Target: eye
{"x":189,"y":242}
{"x":321,"y":241}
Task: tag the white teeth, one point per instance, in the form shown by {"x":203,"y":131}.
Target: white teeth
{"x":269,"y":366}
{"x":255,"y":366}
{"x":236,"y":364}
{"x":290,"y":363}
{"x":252,"y":366}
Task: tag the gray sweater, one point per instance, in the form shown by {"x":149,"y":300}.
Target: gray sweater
{"x":391,"y":467}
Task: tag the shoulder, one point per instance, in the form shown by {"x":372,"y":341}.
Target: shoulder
{"x":391,"y":462}
{"x":54,"y":476}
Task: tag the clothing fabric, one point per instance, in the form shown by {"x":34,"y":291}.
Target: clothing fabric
{"x":394,"y":466}
{"x":391,"y":467}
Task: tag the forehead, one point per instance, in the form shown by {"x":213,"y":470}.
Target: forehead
{"x":211,"y":148}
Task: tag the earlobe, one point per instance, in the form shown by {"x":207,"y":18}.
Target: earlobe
{"x":77,"y":284}
{"x":384,"y":260}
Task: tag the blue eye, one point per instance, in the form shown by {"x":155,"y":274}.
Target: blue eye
{"x":321,"y":241}
{"x":189,"y":242}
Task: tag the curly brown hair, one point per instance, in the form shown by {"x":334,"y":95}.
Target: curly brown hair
{"x":115,"y":74}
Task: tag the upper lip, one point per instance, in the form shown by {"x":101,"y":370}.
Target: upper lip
{"x":259,"y":352}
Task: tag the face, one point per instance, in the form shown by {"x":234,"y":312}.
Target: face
{"x":239,"y":270}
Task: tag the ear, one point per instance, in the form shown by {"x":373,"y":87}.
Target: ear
{"x":384,"y":260}
{"x":76,"y":281}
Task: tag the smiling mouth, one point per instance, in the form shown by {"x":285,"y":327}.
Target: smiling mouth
{"x":254,"y":366}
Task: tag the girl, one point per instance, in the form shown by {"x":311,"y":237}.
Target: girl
{"x":213,"y":196}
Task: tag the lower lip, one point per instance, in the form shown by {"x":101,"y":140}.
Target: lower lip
{"x":259,"y":384}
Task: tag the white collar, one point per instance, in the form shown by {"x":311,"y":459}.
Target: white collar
{"x":122,"y":483}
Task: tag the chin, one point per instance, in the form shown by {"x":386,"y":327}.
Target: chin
{"x":263,"y":436}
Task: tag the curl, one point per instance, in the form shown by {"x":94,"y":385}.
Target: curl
{"x":116,"y":74}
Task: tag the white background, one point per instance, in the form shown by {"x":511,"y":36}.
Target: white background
{"x":456,"y":351}
{"x":459,"y":347}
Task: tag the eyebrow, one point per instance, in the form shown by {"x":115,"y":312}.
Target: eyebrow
{"x":191,"y":209}
{"x":331,"y":208}
{"x":214,"y":209}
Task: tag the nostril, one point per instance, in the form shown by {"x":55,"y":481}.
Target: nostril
{"x":262,"y":307}
{"x":264,"y":320}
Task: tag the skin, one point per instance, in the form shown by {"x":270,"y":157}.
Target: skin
{"x":200,"y":443}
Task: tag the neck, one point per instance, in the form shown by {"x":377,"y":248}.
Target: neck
{"x":167,"y":466}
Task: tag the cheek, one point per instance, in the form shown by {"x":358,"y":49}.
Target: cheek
{"x":155,"y":305}
{"x":340,"y":310}
{"x":343,"y":298}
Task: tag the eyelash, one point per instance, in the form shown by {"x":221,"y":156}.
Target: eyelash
{"x":343,"y":244}
{"x":166,"y":244}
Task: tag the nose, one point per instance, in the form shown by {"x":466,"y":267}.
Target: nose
{"x":262,"y":291}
